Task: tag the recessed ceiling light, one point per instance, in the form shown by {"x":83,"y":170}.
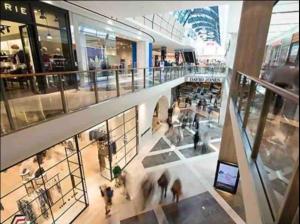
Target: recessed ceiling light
{"x":110,"y":22}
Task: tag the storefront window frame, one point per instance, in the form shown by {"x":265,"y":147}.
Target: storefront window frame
{"x":44,"y":186}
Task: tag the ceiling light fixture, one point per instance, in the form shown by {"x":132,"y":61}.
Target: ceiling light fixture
{"x":49,"y":36}
{"x":110,"y":22}
{"x":42,"y":16}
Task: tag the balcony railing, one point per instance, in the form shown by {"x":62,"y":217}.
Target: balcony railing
{"x":269,"y":118}
{"x":28,"y":99}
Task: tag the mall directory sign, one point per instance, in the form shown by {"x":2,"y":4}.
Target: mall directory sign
{"x":227,"y":177}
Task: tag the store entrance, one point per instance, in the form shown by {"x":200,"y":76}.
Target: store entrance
{"x":16,"y":54}
{"x":160,"y":114}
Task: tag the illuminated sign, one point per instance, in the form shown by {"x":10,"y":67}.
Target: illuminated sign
{"x":16,"y":11}
{"x":15,"y":8}
{"x":204,"y":79}
{"x":227,"y":177}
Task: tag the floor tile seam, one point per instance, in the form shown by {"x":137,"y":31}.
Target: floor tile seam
{"x":199,"y":157}
{"x":217,"y":197}
{"x":157,"y":152}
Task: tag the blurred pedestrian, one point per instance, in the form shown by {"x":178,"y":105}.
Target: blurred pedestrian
{"x":147,"y":190}
{"x":163,"y":183}
{"x":176,"y":190}
{"x":196,"y":139}
{"x":107,"y":194}
{"x":117,"y":171}
{"x":124,"y":179}
{"x":196,"y":119}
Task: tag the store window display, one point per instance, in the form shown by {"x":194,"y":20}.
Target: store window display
{"x":45,"y":188}
{"x":109,"y":144}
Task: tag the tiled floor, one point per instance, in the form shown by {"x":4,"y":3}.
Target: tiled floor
{"x":144,"y":218}
{"x":160,"y":159}
{"x":191,"y":152}
{"x":200,"y":209}
{"x":160,"y":145}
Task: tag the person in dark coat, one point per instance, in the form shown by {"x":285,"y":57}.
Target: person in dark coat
{"x":163,"y":183}
{"x":196,"y":139}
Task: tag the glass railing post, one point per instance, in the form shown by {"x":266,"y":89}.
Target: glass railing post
{"x":153,"y":80}
{"x":117,"y":83}
{"x":248,"y":105}
{"x":94,"y":80}
{"x":6,"y":105}
{"x":62,"y":94}
{"x":160,"y":80}
{"x":144,"y":77}
{"x":261,"y":123}
{"x":132,"y":79}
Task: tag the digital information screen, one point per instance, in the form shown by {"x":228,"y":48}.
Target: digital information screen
{"x":227,"y":177}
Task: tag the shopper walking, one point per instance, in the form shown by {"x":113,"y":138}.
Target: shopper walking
{"x":176,"y":190}
{"x":163,"y":183}
{"x":124,"y":179}
{"x":107,"y":194}
{"x":196,"y":119}
{"x":196,"y":139}
{"x":147,"y":187}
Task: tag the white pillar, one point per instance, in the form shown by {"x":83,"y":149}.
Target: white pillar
{"x":142,"y":54}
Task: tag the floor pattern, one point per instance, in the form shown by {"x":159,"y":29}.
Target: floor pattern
{"x":200,"y":209}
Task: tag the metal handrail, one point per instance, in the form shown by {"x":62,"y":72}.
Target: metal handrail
{"x":94,"y":70}
{"x":276,"y":89}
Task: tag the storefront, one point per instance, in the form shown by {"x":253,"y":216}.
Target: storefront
{"x":35,"y":37}
{"x":100,"y":46}
{"x":53,"y":185}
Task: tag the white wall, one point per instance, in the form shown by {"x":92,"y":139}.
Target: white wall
{"x":18,"y":146}
{"x":146,"y":110}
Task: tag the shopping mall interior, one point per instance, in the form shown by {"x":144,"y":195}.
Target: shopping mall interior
{"x":149,"y":112}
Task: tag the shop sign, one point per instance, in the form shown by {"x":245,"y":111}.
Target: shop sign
{"x":204,"y":79}
{"x":13,"y":10}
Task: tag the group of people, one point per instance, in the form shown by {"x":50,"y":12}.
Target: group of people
{"x":121,"y":179}
{"x":148,"y":188}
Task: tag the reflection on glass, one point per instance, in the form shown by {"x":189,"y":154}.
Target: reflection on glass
{"x":256,"y":104}
{"x":279,"y":149}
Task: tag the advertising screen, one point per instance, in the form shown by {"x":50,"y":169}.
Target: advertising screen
{"x":227,"y":177}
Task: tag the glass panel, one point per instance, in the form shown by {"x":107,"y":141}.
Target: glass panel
{"x":116,"y":134}
{"x":125,"y":83}
{"x":129,"y":114}
{"x":243,"y":96}
{"x":129,"y":125}
{"x":106,"y":84}
{"x":29,"y":107}
{"x":49,"y":18}
{"x":5,"y":127}
{"x":279,"y":149}
{"x":81,"y":95}
{"x":131,"y":154}
{"x":131,"y":144}
{"x":256,"y":104}
{"x":55,"y":51}
{"x":149,"y":77}
{"x":130,"y":135}
{"x":91,"y":135}
{"x":157,"y":73}
{"x":138,"y":79}
{"x":115,"y":122}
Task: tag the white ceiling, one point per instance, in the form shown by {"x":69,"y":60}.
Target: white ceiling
{"x":129,"y":9}
{"x":285,"y":19}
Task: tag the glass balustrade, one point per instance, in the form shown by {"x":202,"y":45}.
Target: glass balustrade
{"x":28,"y":99}
{"x":269,"y":117}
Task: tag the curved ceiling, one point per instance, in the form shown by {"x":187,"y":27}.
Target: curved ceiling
{"x":204,"y":22}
